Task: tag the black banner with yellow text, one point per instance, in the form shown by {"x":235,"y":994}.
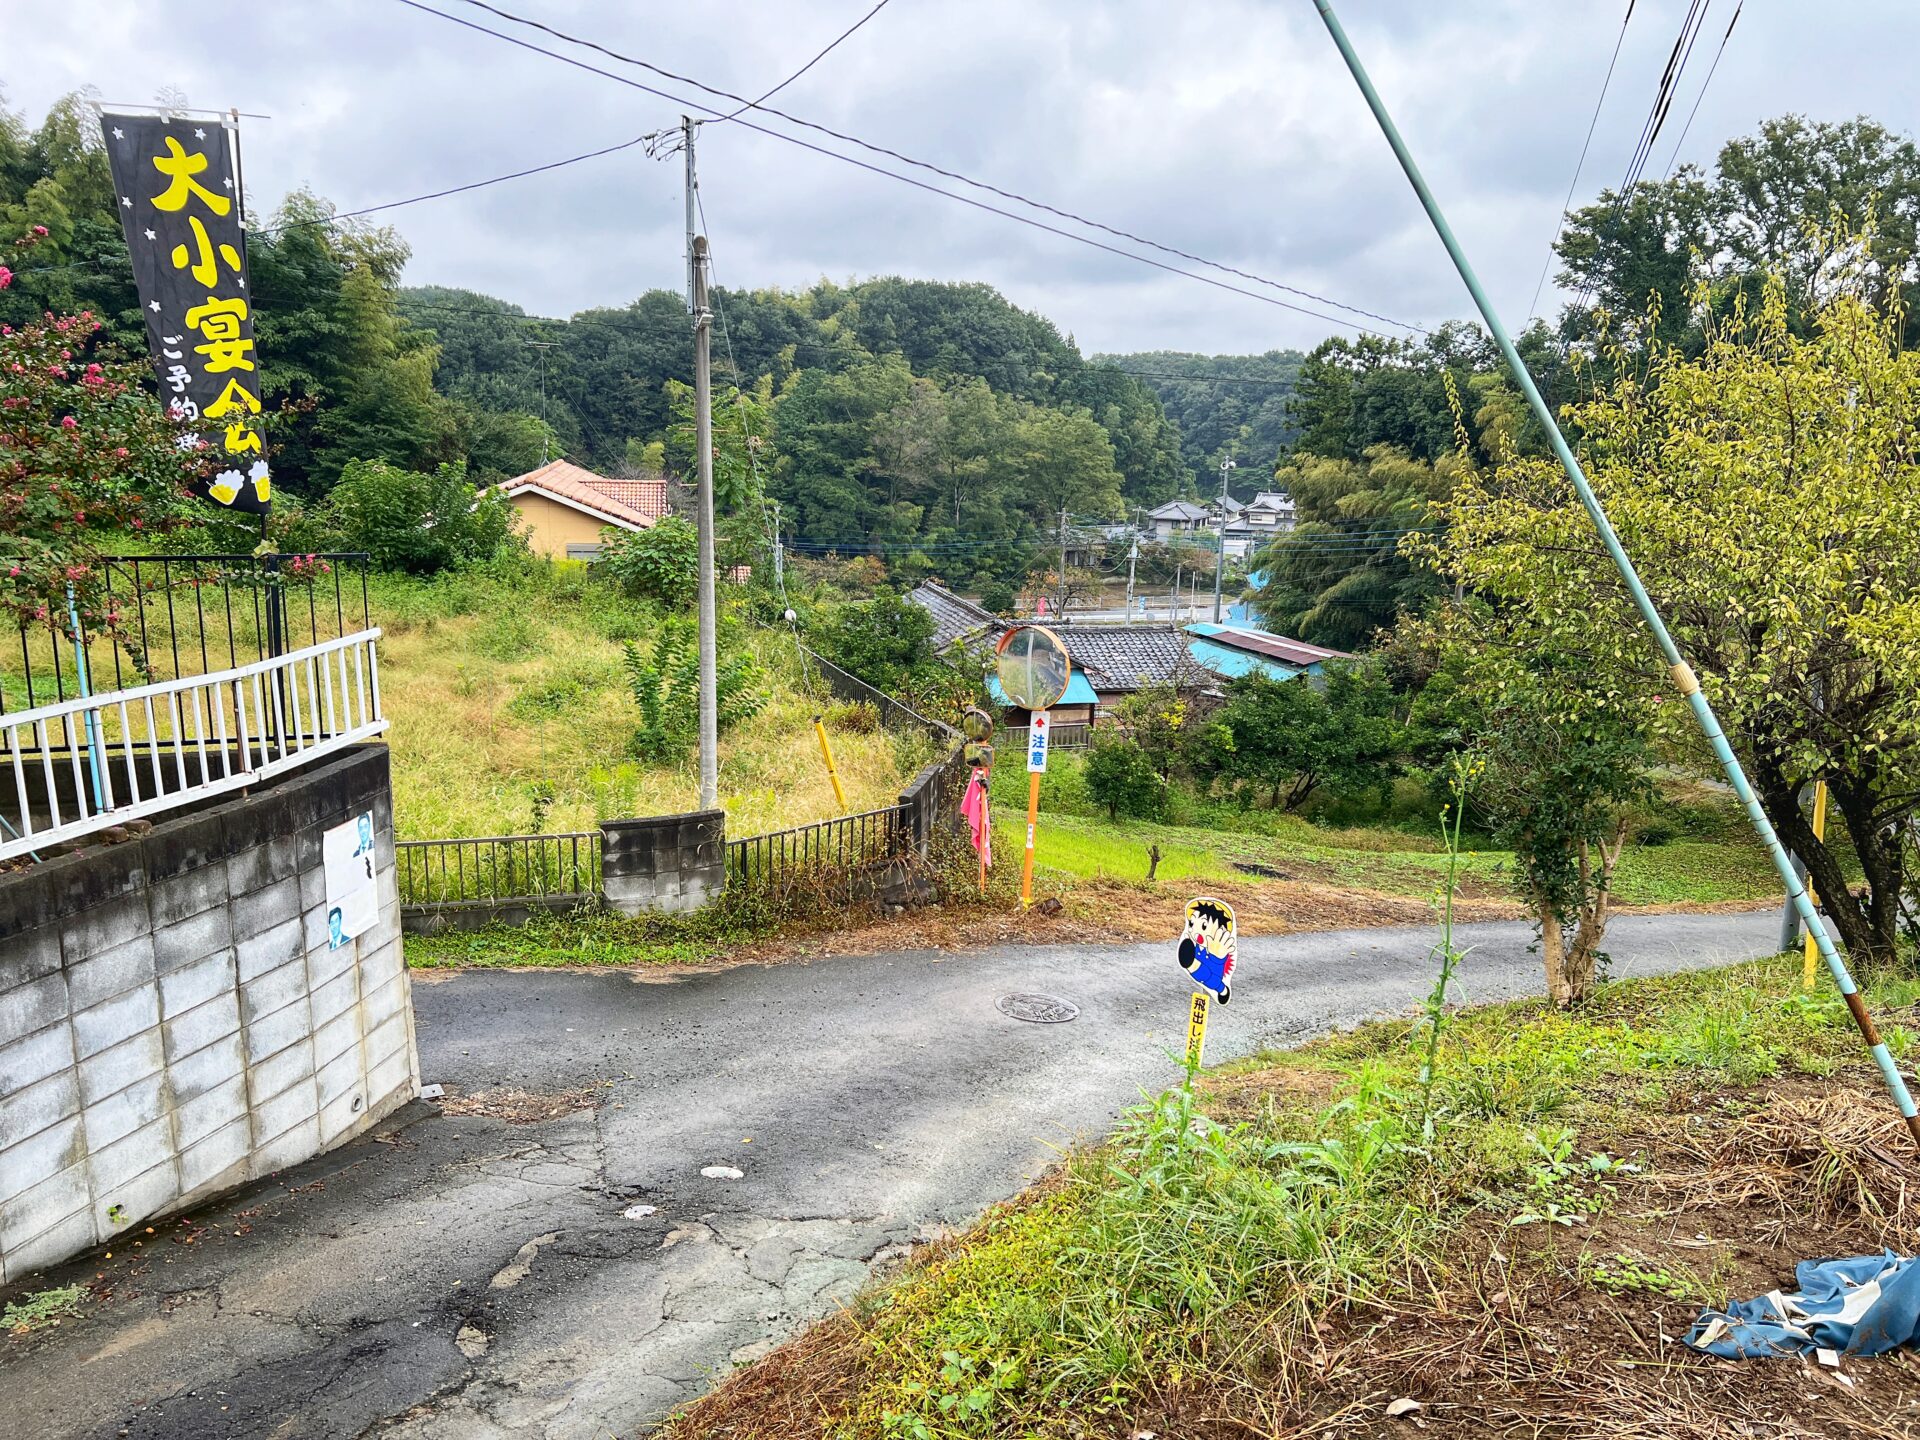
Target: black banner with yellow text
{"x":177,"y":181}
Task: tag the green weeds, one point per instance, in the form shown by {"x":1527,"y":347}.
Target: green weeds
{"x":37,"y":1312}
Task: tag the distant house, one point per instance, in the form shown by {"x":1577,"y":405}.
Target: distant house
{"x":1120,"y":659}
{"x":563,"y":508}
{"x":1271,"y":512}
{"x":1178,"y":517}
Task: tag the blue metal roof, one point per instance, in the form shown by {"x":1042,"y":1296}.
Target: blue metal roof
{"x":1232,"y":663}
{"x":1079,"y":691}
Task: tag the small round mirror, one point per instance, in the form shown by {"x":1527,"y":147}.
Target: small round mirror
{"x":1033,"y":667}
{"x":976,"y":724}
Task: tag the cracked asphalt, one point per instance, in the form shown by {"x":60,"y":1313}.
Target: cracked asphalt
{"x":459,"y":1277}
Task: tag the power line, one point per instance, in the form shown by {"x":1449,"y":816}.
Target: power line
{"x":1580,"y":164}
{"x":1703,"y":89}
{"x":755,"y":104}
{"x":908,"y":160}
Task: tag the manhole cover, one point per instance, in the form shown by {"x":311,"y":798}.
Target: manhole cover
{"x":1039,"y":1009}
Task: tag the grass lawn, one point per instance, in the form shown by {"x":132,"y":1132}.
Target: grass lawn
{"x":1076,"y":842}
{"x":511,"y":714}
{"x":1311,"y":1237}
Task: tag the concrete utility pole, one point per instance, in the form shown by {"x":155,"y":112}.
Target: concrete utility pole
{"x":546,"y":436}
{"x":1133,"y":559}
{"x":779,"y":557}
{"x":1061,"y":607}
{"x":687,"y":128}
{"x":703,"y":449}
{"x":1220,"y":554}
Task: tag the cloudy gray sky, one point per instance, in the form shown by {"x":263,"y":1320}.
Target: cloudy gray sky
{"x":1225,"y":127}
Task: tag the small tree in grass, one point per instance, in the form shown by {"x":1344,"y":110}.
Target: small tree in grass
{"x":660,"y":563}
{"x":1292,"y":737}
{"x":1558,"y":761}
{"x":1121,"y":777}
{"x":1768,"y":490}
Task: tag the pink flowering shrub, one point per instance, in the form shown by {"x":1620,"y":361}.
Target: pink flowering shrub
{"x":85,"y":453}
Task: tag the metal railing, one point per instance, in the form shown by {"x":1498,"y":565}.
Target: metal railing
{"x":1059,"y":737}
{"x":77,"y":766}
{"x":149,"y":618}
{"x":564,"y":867}
{"x":778,"y":860}
{"x":893,"y":714}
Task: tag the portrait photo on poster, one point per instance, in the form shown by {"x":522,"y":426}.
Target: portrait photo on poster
{"x":353,"y":899}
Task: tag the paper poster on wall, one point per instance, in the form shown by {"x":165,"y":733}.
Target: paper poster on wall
{"x":352,"y":898}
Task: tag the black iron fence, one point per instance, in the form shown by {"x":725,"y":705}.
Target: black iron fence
{"x":778,"y":861}
{"x":499,"y":867}
{"x":893,"y":714}
{"x":150,"y":618}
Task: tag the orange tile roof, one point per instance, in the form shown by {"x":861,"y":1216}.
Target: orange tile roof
{"x":633,"y":503}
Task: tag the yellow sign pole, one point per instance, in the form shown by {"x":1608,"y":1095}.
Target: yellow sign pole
{"x":1197,"y":1032}
{"x":826,"y":753}
{"x":1033,"y":817}
{"x":1819,"y":833}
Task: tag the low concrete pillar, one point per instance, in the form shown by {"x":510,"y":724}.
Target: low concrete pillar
{"x":671,"y":863}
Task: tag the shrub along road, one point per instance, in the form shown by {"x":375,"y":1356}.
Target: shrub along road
{"x":547,"y":1258}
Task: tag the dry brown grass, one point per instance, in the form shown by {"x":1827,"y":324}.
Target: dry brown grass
{"x":1514,"y":1341}
{"x":506,"y":727}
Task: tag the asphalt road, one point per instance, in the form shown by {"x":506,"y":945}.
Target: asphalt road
{"x":463,"y":1278}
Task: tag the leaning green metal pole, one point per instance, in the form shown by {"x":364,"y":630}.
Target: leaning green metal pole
{"x":1682,"y":673}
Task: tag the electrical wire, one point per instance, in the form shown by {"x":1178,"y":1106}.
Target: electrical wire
{"x":1533,"y":305}
{"x":1711,"y":69}
{"x":755,"y":104}
{"x":908,"y":160}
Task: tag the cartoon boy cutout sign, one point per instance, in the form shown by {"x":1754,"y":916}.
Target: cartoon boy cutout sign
{"x":1207,"y":945}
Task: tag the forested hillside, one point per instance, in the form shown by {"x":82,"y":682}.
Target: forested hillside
{"x":1227,"y":407}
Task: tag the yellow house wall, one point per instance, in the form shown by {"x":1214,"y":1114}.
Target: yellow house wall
{"x":550,"y":526}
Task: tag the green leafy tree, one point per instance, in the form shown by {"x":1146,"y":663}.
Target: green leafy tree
{"x":1768,"y":493}
{"x":420,"y":521}
{"x":1291,"y":738}
{"x":665,"y":683}
{"x":1342,"y":573}
{"x":1555,"y":764}
{"x":882,"y":641}
{"x":1120,"y":776}
{"x":85,"y":453}
{"x":660,"y":563}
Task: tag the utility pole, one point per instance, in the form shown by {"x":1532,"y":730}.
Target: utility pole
{"x":1133,"y":559}
{"x":546,"y":435}
{"x":703,"y":449}
{"x":1173,"y":601}
{"x":1220,"y":554}
{"x":779,"y":558}
{"x":1062,"y":606}
{"x":687,"y":127}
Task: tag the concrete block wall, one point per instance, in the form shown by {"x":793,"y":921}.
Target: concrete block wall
{"x":674,"y":863}
{"x":173,"y":1022}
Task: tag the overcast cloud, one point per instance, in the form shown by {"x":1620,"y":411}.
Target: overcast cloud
{"x":1225,"y":127}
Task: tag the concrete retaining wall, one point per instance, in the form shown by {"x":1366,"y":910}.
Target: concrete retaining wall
{"x":173,"y":1021}
{"x":673,"y":863}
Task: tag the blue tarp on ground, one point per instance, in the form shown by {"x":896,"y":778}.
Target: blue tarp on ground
{"x":1863,"y":1306}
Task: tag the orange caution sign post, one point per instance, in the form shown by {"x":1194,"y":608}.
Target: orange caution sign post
{"x":1033,"y":668}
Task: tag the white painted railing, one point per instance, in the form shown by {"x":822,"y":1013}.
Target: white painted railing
{"x":73,"y":768}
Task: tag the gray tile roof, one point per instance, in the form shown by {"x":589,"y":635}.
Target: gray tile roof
{"x":955,"y":618}
{"x":1127,"y":657}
